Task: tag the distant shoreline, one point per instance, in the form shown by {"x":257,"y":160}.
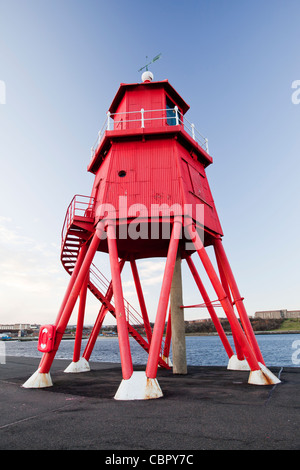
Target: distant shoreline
{"x":227,"y":333}
{"x":67,"y":337}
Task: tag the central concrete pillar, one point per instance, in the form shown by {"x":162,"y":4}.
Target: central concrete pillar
{"x":177,"y":321}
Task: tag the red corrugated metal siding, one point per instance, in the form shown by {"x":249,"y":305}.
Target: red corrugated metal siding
{"x":151,"y":174}
{"x":133,"y":102}
{"x":153,"y":179}
{"x":100,"y":180}
{"x":197,"y":192}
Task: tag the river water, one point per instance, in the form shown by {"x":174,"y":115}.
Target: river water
{"x":282,"y":350}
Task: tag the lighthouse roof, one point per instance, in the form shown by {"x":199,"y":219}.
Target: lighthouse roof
{"x":161,"y":84}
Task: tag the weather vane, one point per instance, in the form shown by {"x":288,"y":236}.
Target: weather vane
{"x":147,"y":65}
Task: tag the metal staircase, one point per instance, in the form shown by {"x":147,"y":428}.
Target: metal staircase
{"x":78,"y":228}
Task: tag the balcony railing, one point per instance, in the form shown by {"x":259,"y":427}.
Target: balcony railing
{"x":148,"y":118}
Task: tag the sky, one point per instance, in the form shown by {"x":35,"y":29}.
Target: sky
{"x":235,"y":63}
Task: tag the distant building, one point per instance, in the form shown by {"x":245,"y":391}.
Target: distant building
{"x":278,"y":314}
{"x":18,"y":326}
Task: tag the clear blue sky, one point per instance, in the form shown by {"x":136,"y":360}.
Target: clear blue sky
{"x":233,"y":61}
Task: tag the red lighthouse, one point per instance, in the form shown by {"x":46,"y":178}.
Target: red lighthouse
{"x":150,"y":198}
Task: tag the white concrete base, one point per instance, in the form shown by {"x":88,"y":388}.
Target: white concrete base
{"x":75,"y":367}
{"x":236,"y":364}
{"x":38,"y":380}
{"x":263,"y":377}
{"x":138,"y":387}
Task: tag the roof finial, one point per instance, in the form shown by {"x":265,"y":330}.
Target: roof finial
{"x":147,"y":76}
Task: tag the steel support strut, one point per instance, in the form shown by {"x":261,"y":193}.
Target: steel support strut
{"x":72,"y":280}
{"x":100,"y":318}
{"x":152,"y":365}
{"x":225,"y":285}
{"x":65,"y":316}
{"x":141,"y":299}
{"x":235,"y":326}
{"x":221,"y":255}
{"x":125,"y":353}
{"x":80,"y":319}
{"x":168,"y":337}
{"x":210,"y":308}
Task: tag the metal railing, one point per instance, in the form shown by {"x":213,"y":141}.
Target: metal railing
{"x":80,"y":206}
{"x":145,"y":118}
{"x":133,"y":317}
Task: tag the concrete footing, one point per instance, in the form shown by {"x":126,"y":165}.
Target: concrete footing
{"x":263,"y":376}
{"x":38,"y":380}
{"x":80,"y":366}
{"x":236,"y":364}
{"x":138,"y":387}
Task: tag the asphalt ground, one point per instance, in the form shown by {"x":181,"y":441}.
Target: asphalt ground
{"x":210,"y":408}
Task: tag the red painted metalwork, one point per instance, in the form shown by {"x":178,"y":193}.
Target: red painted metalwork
{"x":80,"y":319}
{"x":100,"y":318}
{"x":46,"y":338}
{"x":141,"y":299}
{"x":210,"y":308}
{"x":150,"y":197}
{"x":235,"y":326}
{"x":158,"y":331}
{"x":168,"y":337}
{"x":65,"y":316}
{"x":126,"y":360}
{"x":220,"y":252}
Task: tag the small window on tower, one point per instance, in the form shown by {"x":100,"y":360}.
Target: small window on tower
{"x":171,"y":113}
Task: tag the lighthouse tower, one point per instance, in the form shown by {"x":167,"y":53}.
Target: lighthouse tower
{"x":150,"y":198}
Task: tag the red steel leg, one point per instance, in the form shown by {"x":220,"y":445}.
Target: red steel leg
{"x":220,"y":253}
{"x":100,"y":318}
{"x":72,"y":280}
{"x":48,"y":357}
{"x":225,"y":285}
{"x":152,"y":365}
{"x":74,"y":274}
{"x":168,"y":337}
{"x":125,"y":353}
{"x":223,"y":277}
{"x":141,"y":299}
{"x":80,"y":320}
{"x":210,"y":308}
{"x":94,"y":333}
{"x":235,"y":326}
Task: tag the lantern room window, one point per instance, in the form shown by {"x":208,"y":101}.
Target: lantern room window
{"x":171,"y":113}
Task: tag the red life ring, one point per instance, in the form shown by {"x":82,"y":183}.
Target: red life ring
{"x":46,"y":338}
